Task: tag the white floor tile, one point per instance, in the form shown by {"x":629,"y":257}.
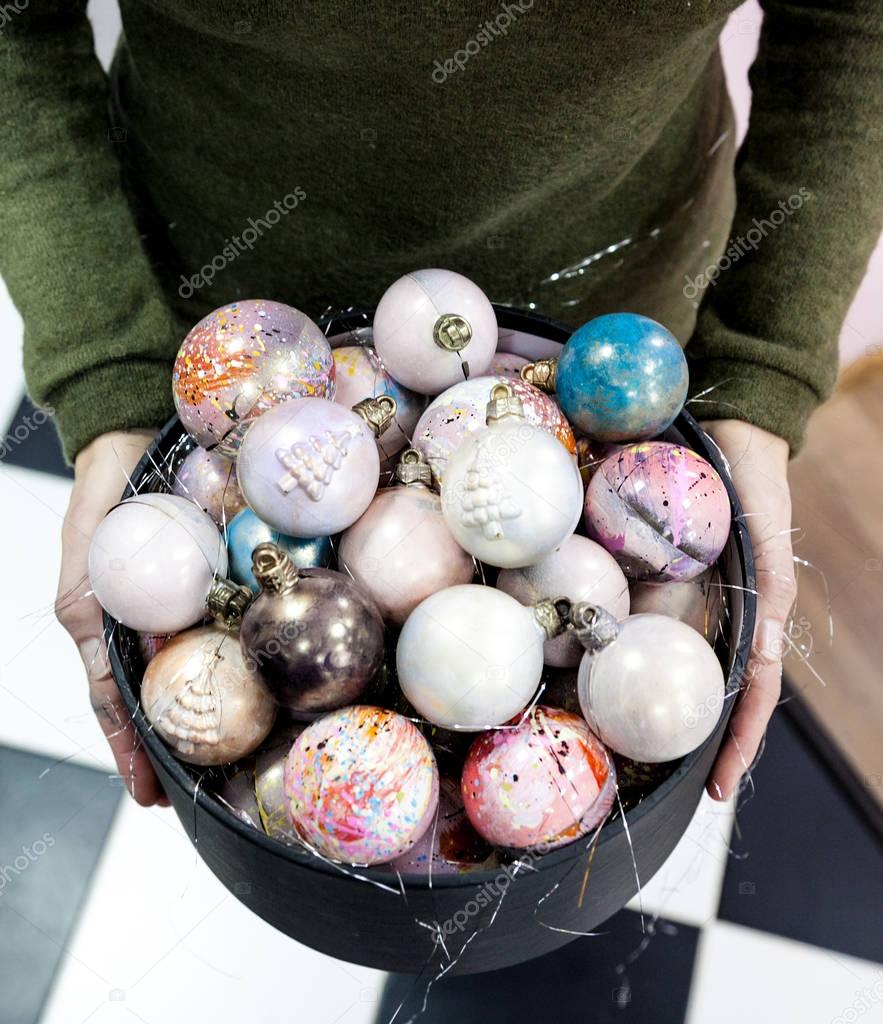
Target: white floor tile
{"x":745,"y":975}
{"x":687,"y":887}
{"x":161,"y":940}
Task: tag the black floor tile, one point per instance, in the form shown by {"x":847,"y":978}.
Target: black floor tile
{"x":30,"y":441}
{"x":53,"y":822}
{"x":812,"y":869}
{"x":620,"y":977}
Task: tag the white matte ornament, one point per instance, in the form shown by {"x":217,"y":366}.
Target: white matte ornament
{"x":512,"y":492}
{"x":655,"y":692}
{"x":152,"y":561}
{"x":470,"y":657}
{"x":433,"y":328}
{"x":309,"y":467}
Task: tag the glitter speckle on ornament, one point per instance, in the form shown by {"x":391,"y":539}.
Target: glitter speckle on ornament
{"x":209,"y":480}
{"x":362,"y":785}
{"x":545,"y":782}
{"x":660,"y":509}
{"x":240,"y":361}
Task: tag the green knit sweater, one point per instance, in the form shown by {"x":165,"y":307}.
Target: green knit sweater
{"x":573,"y":157}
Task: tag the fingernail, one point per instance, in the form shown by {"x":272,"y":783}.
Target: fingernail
{"x":769,"y":640}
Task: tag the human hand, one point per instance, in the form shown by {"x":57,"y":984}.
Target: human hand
{"x":759,"y":464}
{"x":101,"y":472}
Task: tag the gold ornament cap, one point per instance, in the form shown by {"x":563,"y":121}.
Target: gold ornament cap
{"x":227,"y":601}
{"x":504,"y":402}
{"x":412,"y":468}
{"x":452,"y":332}
{"x":542,"y":374}
{"x":378,"y":413}
{"x":273,"y":568}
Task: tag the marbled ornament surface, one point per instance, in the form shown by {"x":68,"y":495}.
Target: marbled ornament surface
{"x":462,"y":410}
{"x":152,"y":561}
{"x":204,"y":701}
{"x":362,"y":785}
{"x":405,"y":323}
{"x":209,"y":480}
{"x":656,"y":692}
{"x":450,"y":845}
{"x":469,"y":657}
{"x":240,"y":361}
{"x":360,"y":374}
{"x":579,"y":569}
{"x":544,"y":782}
{"x":698,"y":602}
{"x":622,"y":377}
{"x":309,"y":467}
{"x":401,"y":551}
{"x":247,"y":530}
{"x":660,"y":509}
{"x":508,"y":365}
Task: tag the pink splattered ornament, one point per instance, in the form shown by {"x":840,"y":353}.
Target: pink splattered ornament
{"x":362,"y":785}
{"x":240,"y":361}
{"x":543,"y":782}
{"x":508,"y":365}
{"x":660,"y":509}
{"x":209,"y":480}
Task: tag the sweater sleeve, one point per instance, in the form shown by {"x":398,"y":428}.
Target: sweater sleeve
{"x":99,"y":338}
{"x":809,"y":210}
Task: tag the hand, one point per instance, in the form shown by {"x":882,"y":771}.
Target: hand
{"x":101,"y":472}
{"x":759,"y":464}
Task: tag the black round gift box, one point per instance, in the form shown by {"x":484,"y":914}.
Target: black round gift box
{"x":488,"y":920}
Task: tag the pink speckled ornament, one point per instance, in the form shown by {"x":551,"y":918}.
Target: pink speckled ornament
{"x":360,"y":374}
{"x":508,"y":365}
{"x":309,"y":467}
{"x":660,"y":509}
{"x":462,"y":410}
{"x":209,"y":480}
{"x":433,"y":328}
{"x":362,"y":785}
{"x":401,"y":549}
{"x":581,"y":570}
{"x":450,"y":846}
{"x":242,"y":360}
{"x":543,"y":783}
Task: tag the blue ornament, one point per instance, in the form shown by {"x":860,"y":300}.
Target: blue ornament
{"x":621,"y":377}
{"x":245,"y":531}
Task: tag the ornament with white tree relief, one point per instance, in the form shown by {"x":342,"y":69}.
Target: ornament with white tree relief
{"x":512,"y":492}
{"x":310,"y":467}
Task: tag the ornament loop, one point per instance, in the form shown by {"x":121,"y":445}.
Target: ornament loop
{"x":412,"y":468}
{"x":503,"y":402}
{"x":542,"y":374}
{"x":273,"y":568}
{"x":552,"y":615}
{"x":226,"y":602}
{"x":452,"y":332}
{"x":594,"y":626}
{"x":378,"y":413}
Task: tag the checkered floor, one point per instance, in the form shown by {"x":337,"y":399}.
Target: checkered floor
{"x":108,"y":915}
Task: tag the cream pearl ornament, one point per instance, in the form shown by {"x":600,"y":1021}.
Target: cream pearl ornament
{"x":152,"y":561}
{"x":511,"y":493}
{"x":650,"y":687}
{"x":401,"y":549}
{"x":310,"y":467}
{"x":470,"y":657}
{"x":433,"y":328}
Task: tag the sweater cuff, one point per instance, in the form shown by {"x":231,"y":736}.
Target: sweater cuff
{"x":114,"y":396}
{"x":771,"y":399}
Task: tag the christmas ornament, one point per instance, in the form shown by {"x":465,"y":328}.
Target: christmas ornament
{"x":150,"y":644}
{"x":660,"y":509}
{"x":650,"y":687}
{"x":152,"y":561}
{"x":242,"y":360}
{"x":620,"y":377}
{"x":401,"y":550}
{"x":470,"y":657}
{"x":696,"y":602}
{"x":246,"y":531}
{"x":313,"y":635}
{"x":542,"y":782}
{"x":362,"y":785}
{"x":580,"y":570}
{"x":511,"y":493}
{"x":269,"y":787}
{"x":450,"y":845}
{"x":433,"y":328}
{"x":462,"y":410}
{"x":209,"y":480}
{"x":360,"y":374}
{"x":508,"y":365}
{"x":236,"y":793}
{"x":310,"y":467}
{"x":204,"y":701}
